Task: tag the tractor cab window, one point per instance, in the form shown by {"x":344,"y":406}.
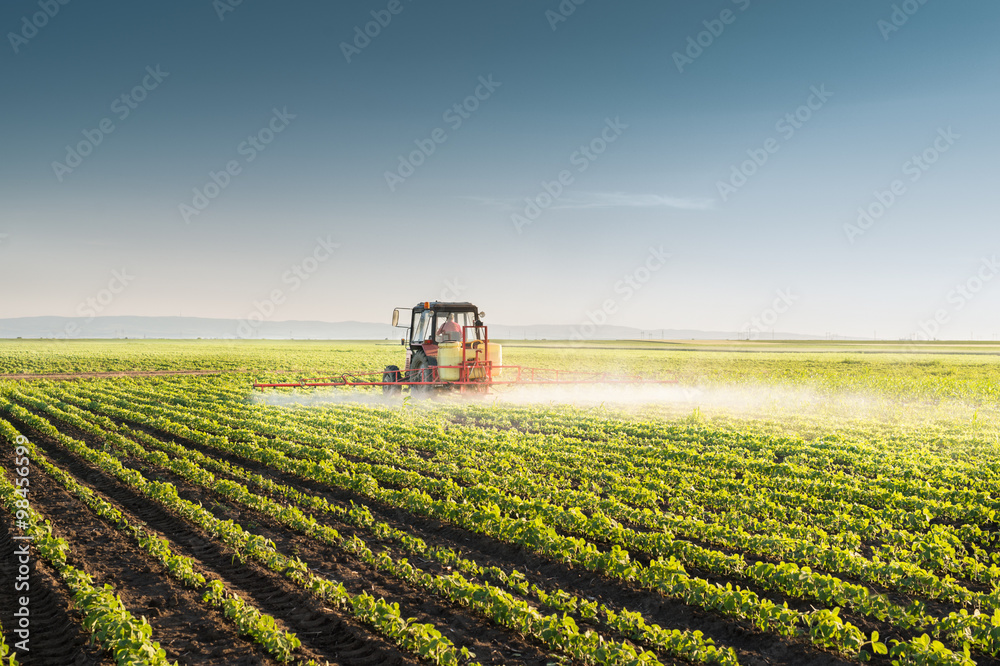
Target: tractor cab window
{"x":422,"y":326}
{"x":450,"y":326}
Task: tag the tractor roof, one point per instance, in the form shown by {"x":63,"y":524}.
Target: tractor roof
{"x":447,"y":307}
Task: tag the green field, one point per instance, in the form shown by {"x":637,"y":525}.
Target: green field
{"x":783,"y":503}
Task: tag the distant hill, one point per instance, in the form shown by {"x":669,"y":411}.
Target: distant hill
{"x":202,"y":327}
{"x":187,"y":328}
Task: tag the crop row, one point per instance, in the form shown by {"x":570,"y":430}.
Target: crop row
{"x":261,"y":627}
{"x":781,"y":571}
{"x":902,"y":575}
{"x":686,"y":644}
{"x":111,"y":625}
{"x":422,"y":639}
{"x":786,"y":577}
{"x":559,"y":633}
{"x":936,"y":548}
{"x":824,"y":626}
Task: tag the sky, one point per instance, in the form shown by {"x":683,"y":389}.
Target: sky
{"x":726,"y":165}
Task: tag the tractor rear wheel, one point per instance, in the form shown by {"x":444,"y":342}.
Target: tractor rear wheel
{"x":421,"y":370}
{"x":391,"y":374}
{"x":430,"y":372}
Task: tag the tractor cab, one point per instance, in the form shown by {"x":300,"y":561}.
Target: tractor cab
{"x":432,"y":323}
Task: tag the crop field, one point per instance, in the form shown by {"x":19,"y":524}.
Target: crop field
{"x":784,"y":503}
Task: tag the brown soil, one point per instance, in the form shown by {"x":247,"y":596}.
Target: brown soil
{"x":493,"y":644}
{"x":185,"y":628}
{"x":57,"y":637}
{"x":325,"y":634}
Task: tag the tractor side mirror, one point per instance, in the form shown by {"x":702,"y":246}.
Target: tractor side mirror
{"x":482,"y":314}
{"x":395,"y":316}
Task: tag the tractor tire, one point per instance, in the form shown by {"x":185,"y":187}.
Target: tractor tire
{"x":422,"y":369}
{"x":430,"y":371}
{"x":392,"y":374}
{"x":415,"y":370}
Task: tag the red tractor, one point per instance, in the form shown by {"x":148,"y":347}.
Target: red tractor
{"x":447,"y":347}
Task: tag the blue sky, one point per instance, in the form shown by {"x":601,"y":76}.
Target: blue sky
{"x":615,"y":122}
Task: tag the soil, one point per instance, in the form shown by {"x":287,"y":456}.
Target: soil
{"x":324,"y":633}
{"x":57,"y":637}
{"x":184,"y":627}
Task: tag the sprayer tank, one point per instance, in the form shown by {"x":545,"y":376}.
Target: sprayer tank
{"x":452,"y":354}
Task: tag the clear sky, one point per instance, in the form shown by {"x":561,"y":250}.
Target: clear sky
{"x":539,"y":158}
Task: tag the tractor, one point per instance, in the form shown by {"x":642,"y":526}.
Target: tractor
{"x":447,"y":349}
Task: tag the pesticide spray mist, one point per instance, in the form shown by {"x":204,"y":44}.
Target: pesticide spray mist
{"x":731,"y":399}
{"x":755,"y":401}
{"x":768,"y":401}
